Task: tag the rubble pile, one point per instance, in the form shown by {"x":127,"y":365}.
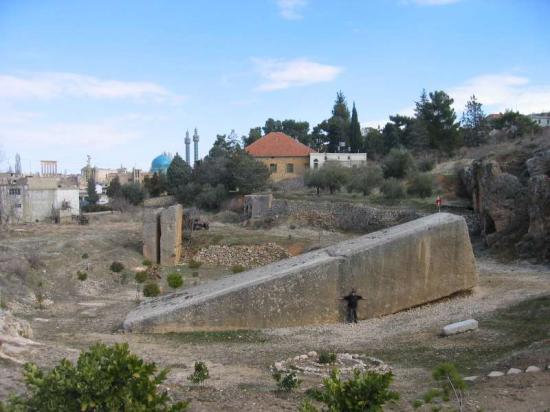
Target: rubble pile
{"x":248,"y":256}
{"x":308,"y":364}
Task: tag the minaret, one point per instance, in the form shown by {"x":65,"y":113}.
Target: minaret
{"x":196,"y":144}
{"x":187,"y":148}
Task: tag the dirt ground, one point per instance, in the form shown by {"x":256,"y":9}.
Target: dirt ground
{"x":511,"y":303}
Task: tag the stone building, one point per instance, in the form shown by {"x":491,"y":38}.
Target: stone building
{"x":316,"y":160}
{"x":285,"y":156}
{"x":33,"y":199}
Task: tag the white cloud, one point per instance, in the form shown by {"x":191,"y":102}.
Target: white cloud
{"x":291,"y":9}
{"x":282,"y":74}
{"x":499,"y":92}
{"x":56,"y":85}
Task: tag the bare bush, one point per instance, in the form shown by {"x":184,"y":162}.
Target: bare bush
{"x":35,"y":261}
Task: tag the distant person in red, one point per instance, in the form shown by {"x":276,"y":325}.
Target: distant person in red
{"x":352,"y":299}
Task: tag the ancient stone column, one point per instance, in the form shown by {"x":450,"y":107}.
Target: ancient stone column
{"x":171,"y":224}
{"x":151,"y":234}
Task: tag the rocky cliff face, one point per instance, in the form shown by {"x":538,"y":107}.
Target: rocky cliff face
{"x":514,"y":211}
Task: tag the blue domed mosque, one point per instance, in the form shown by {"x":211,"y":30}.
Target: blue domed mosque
{"x":161,"y":163}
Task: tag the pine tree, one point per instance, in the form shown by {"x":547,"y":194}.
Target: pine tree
{"x":474,"y":123}
{"x":337,"y":127}
{"x":115,"y":188}
{"x":355,"y":137}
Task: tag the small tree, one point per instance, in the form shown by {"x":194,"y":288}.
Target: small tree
{"x":365,"y":178}
{"x":334,"y":176}
{"x":178,"y":175}
{"x":398,"y":163}
{"x":151,"y":290}
{"x":200,"y":374}
{"x":115,"y":188}
{"x":313,"y":178}
{"x":286,"y":382}
{"x":393,"y":189}
{"x":451,"y":382}
{"x":103,"y":379}
{"x":133,"y":193}
{"x":421,"y":185}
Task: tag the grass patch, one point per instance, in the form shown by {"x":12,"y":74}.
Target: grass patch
{"x":228,"y":336}
{"x":515,"y":328}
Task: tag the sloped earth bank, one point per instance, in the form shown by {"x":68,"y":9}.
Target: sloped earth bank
{"x":512,"y":305}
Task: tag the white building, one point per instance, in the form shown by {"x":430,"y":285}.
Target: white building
{"x":316,"y":160}
{"x":34,"y":199}
{"x":542,"y":119}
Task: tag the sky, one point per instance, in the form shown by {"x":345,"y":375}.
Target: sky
{"x":123,"y":80}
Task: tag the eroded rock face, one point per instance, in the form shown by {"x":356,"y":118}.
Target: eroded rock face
{"x":539,"y":164}
{"x":499,"y":198}
{"x":537,"y":241}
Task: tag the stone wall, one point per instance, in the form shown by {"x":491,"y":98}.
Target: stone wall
{"x":342,"y":215}
{"x":393,"y":269}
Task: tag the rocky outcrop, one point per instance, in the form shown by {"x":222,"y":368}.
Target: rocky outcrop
{"x":15,"y":337}
{"x":514,"y":213}
{"x":499,"y":198}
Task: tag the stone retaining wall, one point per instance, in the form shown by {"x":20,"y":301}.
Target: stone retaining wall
{"x":393,"y":269}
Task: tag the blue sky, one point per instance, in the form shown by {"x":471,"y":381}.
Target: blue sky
{"x":122,"y":81}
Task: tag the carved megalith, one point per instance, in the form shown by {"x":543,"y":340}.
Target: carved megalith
{"x":171,"y":234}
{"x":393,"y":269}
{"x":151,"y":234}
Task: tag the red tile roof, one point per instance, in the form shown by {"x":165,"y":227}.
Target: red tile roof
{"x":278,"y":144}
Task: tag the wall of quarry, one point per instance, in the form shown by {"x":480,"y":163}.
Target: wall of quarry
{"x":393,"y":269}
{"x":347,"y":216}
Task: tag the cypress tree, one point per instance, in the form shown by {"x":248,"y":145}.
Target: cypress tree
{"x":355,"y":137}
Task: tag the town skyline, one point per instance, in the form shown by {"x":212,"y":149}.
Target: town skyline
{"x":123,"y":83}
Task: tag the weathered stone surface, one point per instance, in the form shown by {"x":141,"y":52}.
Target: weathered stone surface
{"x":495,"y":374}
{"x":513,"y":371}
{"x":394,"y":269}
{"x":532,"y":369}
{"x":11,"y":326}
{"x":537,"y":240}
{"x":151,"y":234}
{"x":539,"y":164}
{"x":257,"y":206}
{"x":459,"y":327}
{"x":470,"y":378}
{"x":171,"y":234}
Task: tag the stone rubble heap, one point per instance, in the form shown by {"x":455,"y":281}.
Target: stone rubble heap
{"x":246,"y":256}
{"x":346,"y":363}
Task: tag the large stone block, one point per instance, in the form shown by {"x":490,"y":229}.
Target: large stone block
{"x":171,"y":234}
{"x":151,"y":234}
{"x":393,"y":269}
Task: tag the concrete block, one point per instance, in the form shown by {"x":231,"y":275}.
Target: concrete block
{"x":171,"y":234}
{"x":393,"y":269}
{"x":151,"y":234}
{"x":460,"y":327}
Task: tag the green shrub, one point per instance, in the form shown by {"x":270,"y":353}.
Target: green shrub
{"x":141,"y":276}
{"x":85,"y":256}
{"x":147,"y":263}
{"x":286,"y":382}
{"x":195,"y":274}
{"x":398,"y":163}
{"x":151,"y":289}
{"x":227,"y":216}
{"x":117,"y":267}
{"x":327,"y":357}
{"x":367,"y":391}
{"x":237,"y":268}
{"x":174,"y":280}
{"x":193,"y":264}
{"x":421,"y":185}
{"x":417,"y":403}
{"x":431,"y":394}
{"x":306,"y":406}
{"x":103,"y":379}
{"x":425,"y":164}
{"x":200,"y":373}
{"x":451,"y":382}
{"x":393,"y":189}
{"x":81,"y":275}
{"x":365,"y":178}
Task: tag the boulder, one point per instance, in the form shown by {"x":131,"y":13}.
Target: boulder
{"x":11,"y":326}
{"x":459,"y":327}
{"x":532,"y":369}
{"x":495,"y":374}
{"x":513,"y":371}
